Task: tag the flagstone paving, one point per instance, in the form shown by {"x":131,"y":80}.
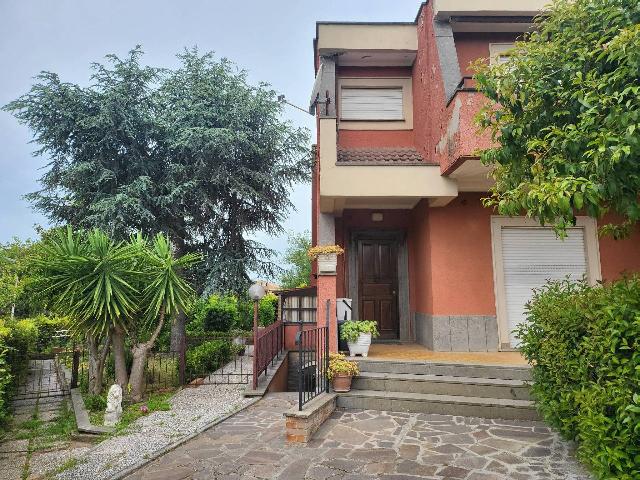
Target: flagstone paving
{"x":367,"y":445}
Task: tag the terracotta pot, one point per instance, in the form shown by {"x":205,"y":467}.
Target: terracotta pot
{"x":341,"y":383}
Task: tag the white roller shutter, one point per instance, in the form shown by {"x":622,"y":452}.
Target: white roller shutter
{"x":371,"y":104}
{"x":531,"y":257}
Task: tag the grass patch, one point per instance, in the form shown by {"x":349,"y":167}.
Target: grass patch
{"x":60,"y":429}
{"x":67,"y":465}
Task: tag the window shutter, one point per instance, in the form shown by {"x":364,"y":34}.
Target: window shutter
{"x":531,"y":257}
{"x":371,"y":104}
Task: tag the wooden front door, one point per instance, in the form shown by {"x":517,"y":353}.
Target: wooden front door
{"x":378,"y":284}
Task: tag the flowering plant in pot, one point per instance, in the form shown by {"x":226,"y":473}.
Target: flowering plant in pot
{"x":327,"y":256}
{"x":341,"y":371}
{"x":358,"y":334}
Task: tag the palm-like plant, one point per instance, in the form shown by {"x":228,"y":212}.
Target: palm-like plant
{"x":165,"y":292}
{"x":93,"y":280}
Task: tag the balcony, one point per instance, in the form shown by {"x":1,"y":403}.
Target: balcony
{"x":350,"y":183}
{"x":460,"y":141}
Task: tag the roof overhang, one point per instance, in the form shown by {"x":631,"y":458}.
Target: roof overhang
{"x":445,"y":9}
{"x":491,"y":24}
{"x":368,"y":44}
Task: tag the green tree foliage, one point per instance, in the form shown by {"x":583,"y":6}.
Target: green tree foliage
{"x":584,"y":345}
{"x":195,"y":152}
{"x":567,"y":116}
{"x":19,"y":293}
{"x":299,"y":274}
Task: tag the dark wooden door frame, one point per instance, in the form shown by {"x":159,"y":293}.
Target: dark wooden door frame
{"x":400,"y":236}
{"x":378,"y":284}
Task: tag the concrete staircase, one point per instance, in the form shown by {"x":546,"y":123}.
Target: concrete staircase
{"x":487,"y":391}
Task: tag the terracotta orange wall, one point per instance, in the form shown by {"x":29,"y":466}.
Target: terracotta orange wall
{"x":472,"y":46}
{"x":373,"y":71}
{"x":453,"y":273}
{"x":427,"y":86}
{"x":375,"y":138}
{"x":451,"y":264}
{"x":419,"y":243}
{"x":619,"y":256}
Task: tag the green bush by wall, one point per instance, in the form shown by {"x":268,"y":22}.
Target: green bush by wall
{"x":207,"y":357}
{"x":584,"y":345}
{"x":221,"y":313}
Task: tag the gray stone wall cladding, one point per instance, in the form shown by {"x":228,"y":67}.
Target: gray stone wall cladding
{"x":457,"y":333}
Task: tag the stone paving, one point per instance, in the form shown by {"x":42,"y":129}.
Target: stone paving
{"x":40,"y":396}
{"x":368,"y":445}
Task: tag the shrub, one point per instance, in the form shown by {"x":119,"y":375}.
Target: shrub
{"x":584,"y":345}
{"x":95,"y":403}
{"x":208,"y":357}
{"x":17,"y":339}
{"x":217,"y":313}
{"x":5,"y":380}
{"x":48,"y":328}
{"x":267,"y":309}
{"x":351,"y":330}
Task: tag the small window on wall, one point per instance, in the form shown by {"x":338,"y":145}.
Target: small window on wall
{"x":371,"y":104}
{"x":500,"y":52}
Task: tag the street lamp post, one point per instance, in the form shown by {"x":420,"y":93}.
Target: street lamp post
{"x":256,"y":292}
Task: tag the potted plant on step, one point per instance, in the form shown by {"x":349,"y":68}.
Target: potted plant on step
{"x":341,"y":371}
{"x":327,"y":256}
{"x":358,"y":335}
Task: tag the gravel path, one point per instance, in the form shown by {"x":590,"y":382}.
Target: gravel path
{"x":191,"y":410}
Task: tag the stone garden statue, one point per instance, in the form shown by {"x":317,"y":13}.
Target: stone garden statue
{"x":114,"y":406}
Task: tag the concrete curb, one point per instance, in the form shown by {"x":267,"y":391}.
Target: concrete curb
{"x":82,"y":416}
{"x":137,"y":466}
{"x":81,"y":413}
{"x":265,"y":382}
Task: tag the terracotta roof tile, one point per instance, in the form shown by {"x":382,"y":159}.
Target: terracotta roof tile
{"x":380,"y":156}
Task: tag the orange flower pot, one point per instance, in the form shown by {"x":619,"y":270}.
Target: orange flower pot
{"x":341,"y":383}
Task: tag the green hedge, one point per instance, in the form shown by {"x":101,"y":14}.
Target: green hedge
{"x":221,"y":313}
{"x":17,"y":338}
{"x":207,"y":357}
{"x":584,"y":345}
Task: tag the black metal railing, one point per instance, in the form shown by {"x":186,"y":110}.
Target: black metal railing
{"x":313,"y":363}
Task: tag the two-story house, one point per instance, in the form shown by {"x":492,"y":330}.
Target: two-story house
{"x":398,"y":183}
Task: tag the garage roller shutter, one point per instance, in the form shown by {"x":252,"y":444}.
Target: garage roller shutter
{"x":531,"y":257}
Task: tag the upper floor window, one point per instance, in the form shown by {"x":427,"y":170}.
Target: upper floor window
{"x":372,"y":104}
{"x":500,"y":52}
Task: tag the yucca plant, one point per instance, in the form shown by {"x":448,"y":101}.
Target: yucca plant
{"x":93,"y":280}
{"x":164,"y":293}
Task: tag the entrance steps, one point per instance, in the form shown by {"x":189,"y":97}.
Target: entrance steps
{"x":489,"y":391}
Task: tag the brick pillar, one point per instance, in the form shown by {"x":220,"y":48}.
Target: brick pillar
{"x":327,"y":291}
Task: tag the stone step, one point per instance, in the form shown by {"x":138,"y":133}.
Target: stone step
{"x":505,"y":372}
{"x":443,"y":385}
{"x":438,"y":404}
